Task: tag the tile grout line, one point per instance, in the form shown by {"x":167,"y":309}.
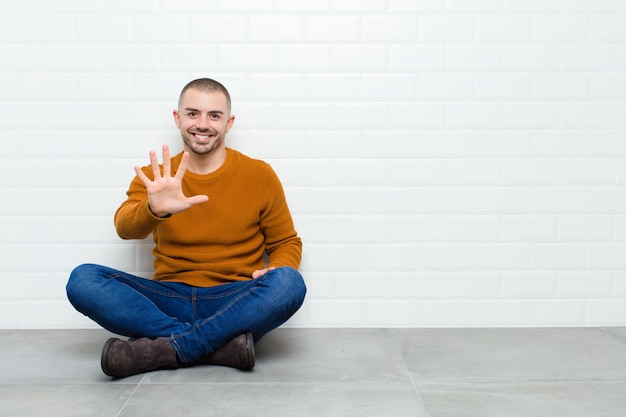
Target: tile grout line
{"x":419,"y":397}
{"x":130,"y":396}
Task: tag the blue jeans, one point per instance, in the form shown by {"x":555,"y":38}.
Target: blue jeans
{"x":196,"y":320}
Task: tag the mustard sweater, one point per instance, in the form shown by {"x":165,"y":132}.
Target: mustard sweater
{"x":223,"y":239}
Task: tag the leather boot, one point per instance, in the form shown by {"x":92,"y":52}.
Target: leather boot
{"x":122,"y":358}
{"x":236,"y":353}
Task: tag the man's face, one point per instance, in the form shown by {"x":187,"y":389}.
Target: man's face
{"x":203,"y":120}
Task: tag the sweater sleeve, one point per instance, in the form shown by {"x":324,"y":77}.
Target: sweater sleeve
{"x":282,"y":243}
{"x":133,"y":219}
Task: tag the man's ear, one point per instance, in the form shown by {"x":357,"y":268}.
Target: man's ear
{"x":176,"y":118}
{"x":229,"y":123}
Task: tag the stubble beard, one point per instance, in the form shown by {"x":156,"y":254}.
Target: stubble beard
{"x":202,"y":149}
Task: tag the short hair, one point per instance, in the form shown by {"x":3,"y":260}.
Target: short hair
{"x":206,"y":85}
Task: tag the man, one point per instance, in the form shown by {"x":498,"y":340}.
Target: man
{"x":226,"y":252}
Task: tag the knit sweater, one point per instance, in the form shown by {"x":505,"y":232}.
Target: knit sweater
{"x":224,"y":239}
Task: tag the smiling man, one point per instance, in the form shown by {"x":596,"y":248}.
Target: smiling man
{"x":226,"y":252}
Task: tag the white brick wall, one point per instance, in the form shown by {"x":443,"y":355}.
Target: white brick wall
{"x":447,"y":162}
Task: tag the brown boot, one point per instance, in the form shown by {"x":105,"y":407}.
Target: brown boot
{"x":237,"y":353}
{"x":122,"y":358}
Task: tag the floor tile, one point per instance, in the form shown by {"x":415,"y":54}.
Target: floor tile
{"x":619,"y":332}
{"x":525,"y":400}
{"x":567,"y":354}
{"x":309,"y":355}
{"x":274,"y":400}
{"x":33,"y":400}
{"x":53,"y":356}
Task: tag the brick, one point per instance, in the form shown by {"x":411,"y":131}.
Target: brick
{"x":446,"y":143}
{"x":589,"y":115}
{"x":502,"y":313}
{"x":358,"y":115}
{"x":303,"y":6}
{"x":389,"y":200}
{"x":531,"y":57}
{"x":446,"y":86}
{"x":446,"y":313}
{"x":416,"y":115}
{"x":531,"y":6}
{"x":607,"y":86}
{"x":312,"y":57}
{"x":558,"y":256}
{"x":276,"y":28}
{"x":531,"y":114}
{"x":501,"y":200}
{"x":415,"y":172}
{"x":414,"y":228}
{"x":20,"y":58}
{"x":50,"y":29}
{"x":331,"y":28}
{"x":559,"y":143}
{"x":358,"y":172}
{"x":358,"y":5}
{"x":558,"y":200}
{"x":587,"y":172}
{"x":482,"y":115}
{"x":444,"y":200}
{"x":530,"y":172}
{"x":160,"y":29}
{"x":386,"y":313}
{"x":558,"y":313}
{"x":502,"y":144}
{"x":475,"y":6}
{"x":433,"y":257}
{"x":605,"y":312}
{"x":388,"y":86}
{"x":585,"y":285}
{"x":133,"y":58}
{"x":529,"y":228}
{"x":504,"y":86}
{"x":590,"y":6}
{"x":449,"y":28}
{"x":608,"y":28}
{"x":356,"y":57}
{"x":361,"y":229}
{"x":504,"y":28}
{"x":592,"y":57}
{"x":472,"y":285}
{"x":473,"y":172}
{"x":464,"y":228}
{"x":476,"y":57}
{"x":102,"y":28}
{"x":416,"y":57}
{"x":560,"y":85}
{"x":330,"y":86}
{"x":389,"y":257}
{"x":529,"y":284}
{"x":555,"y":28}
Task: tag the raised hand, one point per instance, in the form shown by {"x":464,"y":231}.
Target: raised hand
{"x":165,"y":193}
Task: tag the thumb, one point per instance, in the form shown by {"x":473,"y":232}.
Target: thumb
{"x":198,"y":199}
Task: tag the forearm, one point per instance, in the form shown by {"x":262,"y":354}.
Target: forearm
{"x":287,"y":253}
{"x":134,"y":220}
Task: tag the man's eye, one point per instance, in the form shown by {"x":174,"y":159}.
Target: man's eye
{"x":215,"y":116}
{"x":192,"y":114}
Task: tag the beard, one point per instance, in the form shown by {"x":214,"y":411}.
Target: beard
{"x":202,"y":148}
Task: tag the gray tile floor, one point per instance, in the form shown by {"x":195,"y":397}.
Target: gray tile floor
{"x":567,"y":372}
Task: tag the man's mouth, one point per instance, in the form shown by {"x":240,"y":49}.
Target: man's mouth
{"x":202,"y":137}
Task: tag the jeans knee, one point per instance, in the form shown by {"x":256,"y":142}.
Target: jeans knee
{"x":291,"y":284}
{"x":77,"y":280}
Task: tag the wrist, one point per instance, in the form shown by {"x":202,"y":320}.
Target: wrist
{"x":159,"y":215}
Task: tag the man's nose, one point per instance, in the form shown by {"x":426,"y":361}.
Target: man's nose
{"x":203,"y":122}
